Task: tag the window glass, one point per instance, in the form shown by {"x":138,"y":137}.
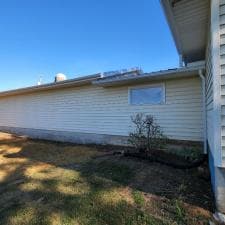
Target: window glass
{"x":146,"y":95}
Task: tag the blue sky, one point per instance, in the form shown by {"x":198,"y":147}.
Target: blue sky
{"x":80,"y":37}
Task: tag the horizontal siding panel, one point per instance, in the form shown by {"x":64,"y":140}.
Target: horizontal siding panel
{"x":222,"y":2}
{"x":222,"y":9}
{"x":222,"y":29}
{"x":223,"y":120}
{"x":222,"y":91}
{"x":91,"y":109}
{"x":222,"y":101}
{"x":222,"y":20}
{"x":222,"y":71}
{"x":223,"y":143}
{"x":223,"y":152}
{"x":222,"y":60}
{"x":223,"y":110}
{"x":223,"y":131}
{"x":222,"y":39}
{"x":223,"y":80}
{"x":222,"y":50}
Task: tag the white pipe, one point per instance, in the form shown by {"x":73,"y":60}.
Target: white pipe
{"x":181,"y":63}
{"x":204,"y":109}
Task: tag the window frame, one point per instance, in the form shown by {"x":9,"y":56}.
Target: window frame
{"x":161,"y":85}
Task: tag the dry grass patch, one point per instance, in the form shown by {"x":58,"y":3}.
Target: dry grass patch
{"x":47,"y":183}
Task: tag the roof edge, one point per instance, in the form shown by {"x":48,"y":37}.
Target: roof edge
{"x":96,"y":79}
{"x":176,"y":73}
{"x":172,"y":25}
{"x":56,"y":85}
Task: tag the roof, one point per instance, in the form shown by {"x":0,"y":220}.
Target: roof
{"x":56,"y":85}
{"x":114,"y":80}
{"x":175,"y":73}
{"x":188,"y":21}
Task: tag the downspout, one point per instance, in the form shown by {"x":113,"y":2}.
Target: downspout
{"x":200,"y":72}
{"x":181,"y":62}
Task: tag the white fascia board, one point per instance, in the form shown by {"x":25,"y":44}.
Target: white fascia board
{"x":172,"y":25}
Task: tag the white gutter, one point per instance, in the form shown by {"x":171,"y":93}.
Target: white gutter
{"x":200,"y":72}
{"x":176,"y":73}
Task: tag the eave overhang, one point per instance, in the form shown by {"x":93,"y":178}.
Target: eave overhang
{"x":188,"y":21}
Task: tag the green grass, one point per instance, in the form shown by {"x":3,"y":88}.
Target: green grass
{"x":191,"y":153}
{"x":138,"y":198}
{"x":179,"y":212}
{"x":114,"y":171}
{"x":45,"y":183}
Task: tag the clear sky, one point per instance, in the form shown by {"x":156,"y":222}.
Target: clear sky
{"x":80,"y":37}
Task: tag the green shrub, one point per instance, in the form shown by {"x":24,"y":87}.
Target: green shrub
{"x":147,"y":135}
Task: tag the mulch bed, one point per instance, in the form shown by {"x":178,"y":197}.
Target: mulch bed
{"x":168,"y":159}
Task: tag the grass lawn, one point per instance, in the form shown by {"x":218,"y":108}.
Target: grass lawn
{"x":47,"y":183}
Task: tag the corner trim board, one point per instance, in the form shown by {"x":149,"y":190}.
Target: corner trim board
{"x":215,"y":49}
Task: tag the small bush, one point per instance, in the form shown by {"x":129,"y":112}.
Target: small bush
{"x":147,"y":135}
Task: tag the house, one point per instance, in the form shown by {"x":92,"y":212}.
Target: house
{"x":198,"y":28}
{"x":188,"y":102}
{"x":98,"y":108}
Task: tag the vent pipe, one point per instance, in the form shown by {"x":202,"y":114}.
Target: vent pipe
{"x":60,"y":77}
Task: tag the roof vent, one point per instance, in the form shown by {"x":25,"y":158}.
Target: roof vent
{"x":60,"y":77}
{"x":135,"y":70}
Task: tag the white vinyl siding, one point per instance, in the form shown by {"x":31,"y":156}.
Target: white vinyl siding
{"x":222,"y":73}
{"x":92,"y":109}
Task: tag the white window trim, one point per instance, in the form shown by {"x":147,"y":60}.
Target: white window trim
{"x":162,"y":85}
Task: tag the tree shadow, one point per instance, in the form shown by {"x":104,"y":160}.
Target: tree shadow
{"x":81,"y":198}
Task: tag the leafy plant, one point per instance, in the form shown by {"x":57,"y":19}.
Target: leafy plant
{"x":147,"y":135}
{"x":138,"y":138}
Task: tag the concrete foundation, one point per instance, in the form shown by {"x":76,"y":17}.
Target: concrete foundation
{"x":66,"y":136}
{"x":91,"y":138}
{"x":218,"y":184}
{"x":219,"y":189}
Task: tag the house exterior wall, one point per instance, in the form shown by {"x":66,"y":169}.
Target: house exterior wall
{"x":105,"y":111}
{"x":222,"y":79}
{"x":215,"y":103}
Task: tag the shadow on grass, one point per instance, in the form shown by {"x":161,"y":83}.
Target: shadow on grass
{"x":77,"y":188}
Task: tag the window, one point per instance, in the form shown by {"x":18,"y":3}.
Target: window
{"x":147,"y":95}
